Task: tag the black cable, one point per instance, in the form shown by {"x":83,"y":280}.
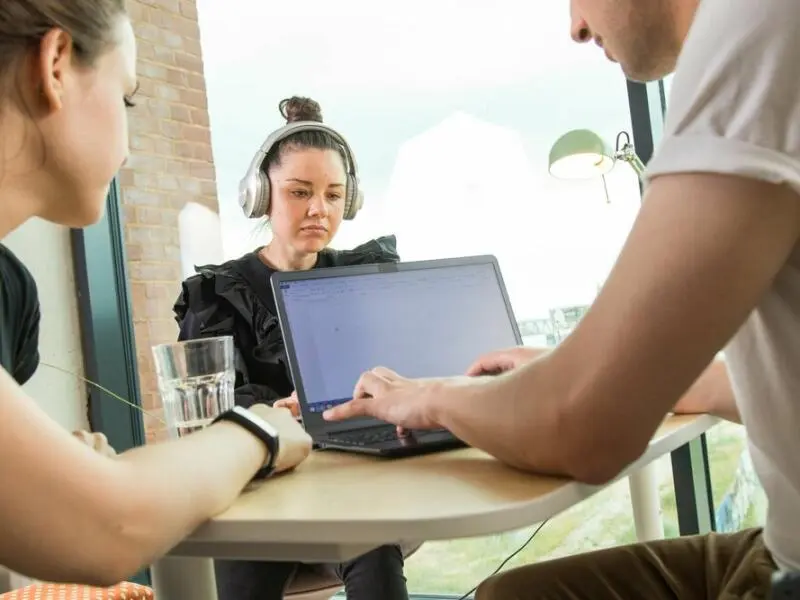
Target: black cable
{"x":508,"y":558}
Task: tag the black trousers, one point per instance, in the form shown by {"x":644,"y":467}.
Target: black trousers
{"x":376,"y":575}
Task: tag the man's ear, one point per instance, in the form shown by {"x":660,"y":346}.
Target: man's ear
{"x":52,"y":66}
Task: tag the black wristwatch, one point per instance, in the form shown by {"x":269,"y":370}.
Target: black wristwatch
{"x":259,"y":428}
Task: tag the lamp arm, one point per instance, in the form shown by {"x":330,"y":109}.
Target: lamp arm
{"x":637,"y":165}
{"x":628,"y":154}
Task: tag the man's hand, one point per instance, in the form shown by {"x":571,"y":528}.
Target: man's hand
{"x":291,"y":403}
{"x":295,"y":443}
{"x":96,"y":441}
{"x":495,"y":363}
{"x":408,"y":403}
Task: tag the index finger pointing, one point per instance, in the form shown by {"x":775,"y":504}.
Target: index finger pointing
{"x":354,"y":408}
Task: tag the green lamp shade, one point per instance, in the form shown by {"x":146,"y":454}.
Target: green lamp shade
{"x":580,"y":154}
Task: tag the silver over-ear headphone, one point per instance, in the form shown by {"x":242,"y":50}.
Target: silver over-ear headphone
{"x":254,"y":191}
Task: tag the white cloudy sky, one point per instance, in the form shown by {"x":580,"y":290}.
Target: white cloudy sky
{"x":451,"y":107}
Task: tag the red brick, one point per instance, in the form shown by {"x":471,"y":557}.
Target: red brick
{"x":165,"y":147}
{"x":186,"y":28}
{"x":199,"y":117}
{"x":203,"y":152}
{"x":208,"y":188}
{"x":192,"y":47}
{"x":154,"y":271}
{"x":196,"y":133}
{"x":193,"y":98}
{"x":171,"y":130}
{"x":196,"y":82}
{"x":192,"y":64}
{"x":189,"y":9}
{"x":164,"y":55}
{"x":171,"y":163}
{"x":152,"y":70}
{"x":159,"y":109}
{"x":202,"y":171}
{"x":177,"y":78}
{"x":145,"y":50}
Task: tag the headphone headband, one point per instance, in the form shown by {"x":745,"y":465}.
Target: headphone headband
{"x":297,"y":126}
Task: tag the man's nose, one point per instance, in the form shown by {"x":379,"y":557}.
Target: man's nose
{"x":579,"y":28}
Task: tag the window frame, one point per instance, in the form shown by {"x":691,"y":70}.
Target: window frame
{"x":107,"y":335}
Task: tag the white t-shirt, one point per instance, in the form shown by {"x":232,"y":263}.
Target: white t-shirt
{"x":735,"y":109}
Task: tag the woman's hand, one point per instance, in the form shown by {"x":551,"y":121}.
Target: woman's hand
{"x":295,"y":443}
{"x":291,"y":403}
{"x":96,"y":440}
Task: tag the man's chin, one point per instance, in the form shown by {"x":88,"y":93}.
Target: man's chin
{"x":643,"y":73}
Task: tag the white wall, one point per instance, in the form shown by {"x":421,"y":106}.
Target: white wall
{"x":46,"y":250}
{"x":200,"y":236}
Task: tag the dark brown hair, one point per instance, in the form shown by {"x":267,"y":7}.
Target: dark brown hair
{"x":23,"y":24}
{"x":299,"y":108}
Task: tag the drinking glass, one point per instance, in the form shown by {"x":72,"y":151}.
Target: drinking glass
{"x":196,"y":380}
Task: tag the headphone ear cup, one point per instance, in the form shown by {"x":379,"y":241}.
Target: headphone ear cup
{"x":251,"y":195}
{"x":254,"y":195}
{"x":262,"y":195}
{"x":355,"y":199}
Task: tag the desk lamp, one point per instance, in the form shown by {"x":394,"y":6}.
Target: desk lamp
{"x":582,"y":154}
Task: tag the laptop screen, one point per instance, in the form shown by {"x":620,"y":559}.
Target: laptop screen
{"x":429,"y":322}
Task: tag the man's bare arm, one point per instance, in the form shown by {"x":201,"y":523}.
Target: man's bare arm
{"x":711,"y":393}
{"x":702,"y":252}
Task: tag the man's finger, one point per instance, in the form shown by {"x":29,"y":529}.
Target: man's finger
{"x":355,"y":408}
{"x":370,"y":384}
{"x":386,"y":373}
{"x":484,"y":364}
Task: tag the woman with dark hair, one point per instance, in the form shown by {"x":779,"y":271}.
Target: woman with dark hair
{"x":308,"y":199}
{"x":69,"y":513}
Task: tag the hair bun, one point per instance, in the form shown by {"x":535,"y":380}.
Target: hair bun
{"x":298,"y":108}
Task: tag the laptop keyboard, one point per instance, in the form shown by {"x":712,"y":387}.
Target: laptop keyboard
{"x":371,"y":437}
{"x":368,"y":437}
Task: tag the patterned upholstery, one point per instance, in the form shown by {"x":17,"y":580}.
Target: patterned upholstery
{"x":62,"y":591}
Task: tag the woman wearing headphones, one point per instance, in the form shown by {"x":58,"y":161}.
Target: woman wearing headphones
{"x":69,"y":513}
{"x":304,"y":183}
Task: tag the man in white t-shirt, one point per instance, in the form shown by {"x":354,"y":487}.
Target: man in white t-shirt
{"x":712,"y":262}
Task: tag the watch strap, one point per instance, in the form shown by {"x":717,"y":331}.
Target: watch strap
{"x":259,"y":428}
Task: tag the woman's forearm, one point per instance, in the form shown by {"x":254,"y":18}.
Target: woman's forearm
{"x":190,"y":481}
{"x":70,"y":514}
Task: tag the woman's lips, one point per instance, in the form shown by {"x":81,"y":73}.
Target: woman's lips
{"x":314,"y":229}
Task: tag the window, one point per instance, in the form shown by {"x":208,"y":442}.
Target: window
{"x":451,"y":109}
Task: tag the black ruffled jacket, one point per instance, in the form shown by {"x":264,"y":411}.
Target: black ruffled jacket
{"x":235,"y":298}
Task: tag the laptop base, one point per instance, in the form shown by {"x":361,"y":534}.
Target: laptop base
{"x":414,"y":444}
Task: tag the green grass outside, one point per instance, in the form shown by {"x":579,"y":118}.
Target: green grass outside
{"x":454,"y":567}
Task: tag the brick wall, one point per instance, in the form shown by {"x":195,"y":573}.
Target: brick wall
{"x":170,"y":164}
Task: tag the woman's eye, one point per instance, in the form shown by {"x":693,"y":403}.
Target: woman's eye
{"x":334,"y":197}
{"x":299,"y":193}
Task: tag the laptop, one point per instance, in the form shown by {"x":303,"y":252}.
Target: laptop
{"x":421,"y":319}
